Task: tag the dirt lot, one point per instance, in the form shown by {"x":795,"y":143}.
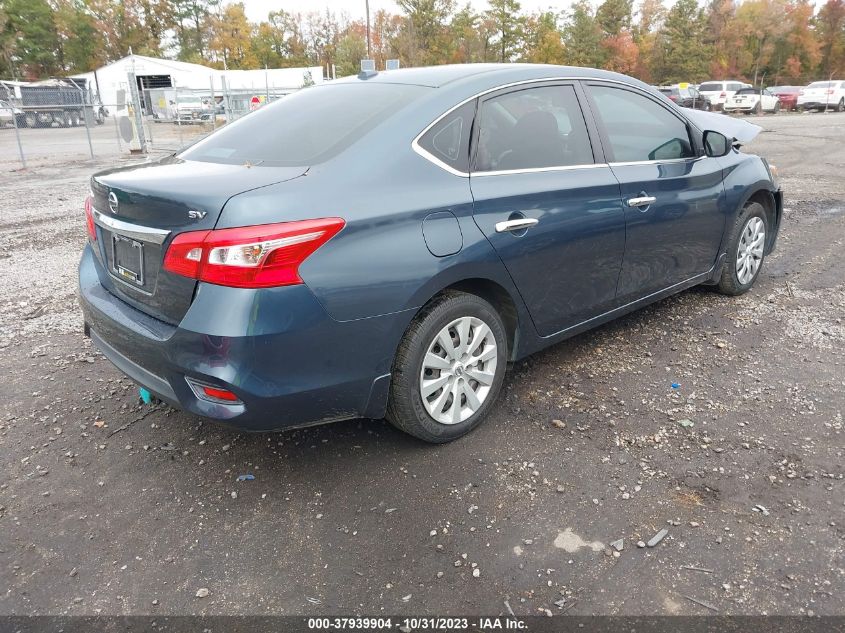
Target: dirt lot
{"x":100,"y":517}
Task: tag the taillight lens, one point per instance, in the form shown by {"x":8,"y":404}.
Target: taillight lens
{"x":673,"y":97}
{"x":723,"y":95}
{"x":89,"y":219}
{"x":252,"y":256}
{"x":830,"y":92}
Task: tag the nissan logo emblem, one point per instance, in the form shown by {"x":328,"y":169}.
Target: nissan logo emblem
{"x":113,"y":202}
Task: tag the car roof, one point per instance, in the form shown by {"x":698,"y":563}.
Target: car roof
{"x":438,"y":76}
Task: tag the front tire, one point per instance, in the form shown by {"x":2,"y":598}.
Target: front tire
{"x":746,"y":251}
{"x":449,"y":368}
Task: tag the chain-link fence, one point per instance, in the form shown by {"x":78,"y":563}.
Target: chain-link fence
{"x":62,"y":121}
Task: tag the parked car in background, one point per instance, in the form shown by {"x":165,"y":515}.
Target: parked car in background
{"x":387,"y":244}
{"x":823,"y":95}
{"x":752,"y":100}
{"x":191,"y":109}
{"x":10,"y":115}
{"x":788,"y":96}
{"x":719,"y":91}
{"x":686,"y":96}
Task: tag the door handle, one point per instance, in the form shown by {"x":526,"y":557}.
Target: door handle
{"x":643,"y":201}
{"x":519,"y":224}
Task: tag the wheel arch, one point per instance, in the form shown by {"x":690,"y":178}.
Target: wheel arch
{"x":766,"y":199}
{"x":496,"y":295}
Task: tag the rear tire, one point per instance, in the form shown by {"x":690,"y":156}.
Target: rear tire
{"x":777,"y":107}
{"x":841,"y":105}
{"x":745,"y":260}
{"x":475,"y":331}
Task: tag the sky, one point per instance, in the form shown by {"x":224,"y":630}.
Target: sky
{"x":257,"y":10}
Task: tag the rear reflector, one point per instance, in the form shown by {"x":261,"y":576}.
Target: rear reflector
{"x":89,"y":219}
{"x":219,"y":394}
{"x":210,"y":392}
{"x":251,"y":256}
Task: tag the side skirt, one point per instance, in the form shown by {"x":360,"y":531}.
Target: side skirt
{"x":628,"y":307}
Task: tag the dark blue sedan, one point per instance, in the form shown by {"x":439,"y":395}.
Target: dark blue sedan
{"x":384,"y":245}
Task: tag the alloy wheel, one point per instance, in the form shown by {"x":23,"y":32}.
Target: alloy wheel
{"x":749,"y":253}
{"x":458,"y":370}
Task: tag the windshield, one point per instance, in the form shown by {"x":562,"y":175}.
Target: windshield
{"x":307,"y":127}
{"x":714,"y":87}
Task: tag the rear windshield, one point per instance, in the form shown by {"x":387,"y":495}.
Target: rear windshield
{"x":822,"y":84}
{"x":747,"y":91}
{"x":305,"y":128}
{"x":669,"y":91}
{"x":714,"y":87}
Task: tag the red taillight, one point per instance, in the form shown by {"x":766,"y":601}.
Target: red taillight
{"x":673,"y":97}
{"x":252,"y":256}
{"x":219,"y":394}
{"x":830,"y":92}
{"x":89,"y":219}
{"x":723,"y":95}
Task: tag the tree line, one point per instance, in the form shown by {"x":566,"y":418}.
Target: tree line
{"x":776,"y":41}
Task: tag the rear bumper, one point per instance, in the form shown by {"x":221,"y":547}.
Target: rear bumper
{"x":816,"y":104}
{"x":288,"y":362}
{"x":739,"y":107}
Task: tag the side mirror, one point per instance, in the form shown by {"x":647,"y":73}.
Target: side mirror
{"x":716,"y":144}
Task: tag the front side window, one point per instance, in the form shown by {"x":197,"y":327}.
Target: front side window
{"x":639,"y":129}
{"x":533,"y":128}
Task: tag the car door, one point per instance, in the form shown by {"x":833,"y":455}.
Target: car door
{"x":769,"y":100}
{"x":672,"y":194}
{"x":548,"y":204}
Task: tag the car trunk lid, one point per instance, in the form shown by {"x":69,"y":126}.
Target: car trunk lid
{"x":140,"y":209}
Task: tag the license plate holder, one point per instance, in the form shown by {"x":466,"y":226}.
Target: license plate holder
{"x":128,"y":259}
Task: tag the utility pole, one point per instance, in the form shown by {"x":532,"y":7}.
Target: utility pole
{"x":367,"y":3}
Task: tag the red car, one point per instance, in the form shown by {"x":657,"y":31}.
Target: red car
{"x":788,"y":96}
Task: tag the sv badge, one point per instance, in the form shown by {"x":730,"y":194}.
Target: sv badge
{"x":193,"y":214}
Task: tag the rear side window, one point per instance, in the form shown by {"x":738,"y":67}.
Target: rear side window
{"x":305,"y":128}
{"x":448,"y":139}
{"x":734,"y":86}
{"x":638,"y":129}
{"x":533,"y":128}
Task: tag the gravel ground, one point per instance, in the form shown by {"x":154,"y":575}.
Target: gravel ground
{"x":111,"y":507}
